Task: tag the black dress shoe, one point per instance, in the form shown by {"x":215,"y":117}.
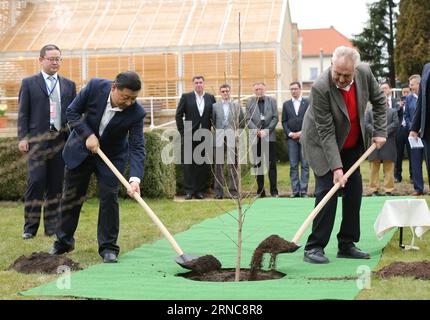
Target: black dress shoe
{"x":188,"y":196}
{"x":304,"y":195}
{"x":315,"y":255}
{"x":261,"y":195}
{"x":199,"y":196}
{"x":110,"y":257}
{"x":295,"y":196}
{"x":218,"y":196}
{"x":353,"y":253}
{"x":27,"y":235}
{"x":56,"y":251}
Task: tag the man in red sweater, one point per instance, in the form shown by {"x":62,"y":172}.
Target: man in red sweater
{"x":333,"y":140}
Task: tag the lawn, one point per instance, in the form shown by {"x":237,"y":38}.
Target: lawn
{"x":137,"y":229}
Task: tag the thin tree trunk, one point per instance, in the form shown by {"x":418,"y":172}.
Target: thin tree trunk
{"x":239,"y":176}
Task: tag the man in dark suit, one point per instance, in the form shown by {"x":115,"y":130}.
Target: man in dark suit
{"x":417,"y":154}
{"x":421,"y":120}
{"x":43,"y":99}
{"x":333,"y":140}
{"x":197,"y":108}
{"x":262,"y":118}
{"x":105,"y":114}
{"x":402,"y":137}
{"x":293,"y":111}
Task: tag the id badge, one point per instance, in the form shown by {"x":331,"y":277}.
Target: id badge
{"x":53,"y":109}
{"x":262,"y":118}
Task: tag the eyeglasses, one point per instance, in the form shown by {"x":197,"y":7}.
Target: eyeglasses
{"x":53,"y":59}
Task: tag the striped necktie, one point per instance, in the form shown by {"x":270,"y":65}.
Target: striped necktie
{"x":55,"y":98}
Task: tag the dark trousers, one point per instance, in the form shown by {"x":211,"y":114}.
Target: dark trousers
{"x":44,"y":184}
{"x":417,"y":155}
{"x":272,"y":168}
{"x":298,"y":186}
{"x":196,"y":175}
{"x":401,"y":142}
{"x":75,"y":189}
{"x":229,"y":159}
{"x":351,"y":201}
{"x":426,"y":142}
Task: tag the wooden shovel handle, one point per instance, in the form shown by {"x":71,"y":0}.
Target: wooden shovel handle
{"x":328,"y":196}
{"x":139,"y":199}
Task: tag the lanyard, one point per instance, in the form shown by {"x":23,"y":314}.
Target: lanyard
{"x":50,"y":91}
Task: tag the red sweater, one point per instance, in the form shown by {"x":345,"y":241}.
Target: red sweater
{"x":350,"y":99}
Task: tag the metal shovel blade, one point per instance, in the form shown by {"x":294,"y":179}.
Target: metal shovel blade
{"x":201,"y":265}
{"x":185,"y":259}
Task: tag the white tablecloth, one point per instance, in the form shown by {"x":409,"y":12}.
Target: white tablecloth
{"x":412,"y":213}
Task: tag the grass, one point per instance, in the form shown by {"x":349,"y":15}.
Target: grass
{"x":137,"y":229}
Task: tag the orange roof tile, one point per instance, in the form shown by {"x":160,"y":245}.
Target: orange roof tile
{"x":326,"y":39}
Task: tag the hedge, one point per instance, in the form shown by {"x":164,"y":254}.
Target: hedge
{"x":158,"y":182}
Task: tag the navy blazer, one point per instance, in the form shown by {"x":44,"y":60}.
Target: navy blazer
{"x":33,"y":114}
{"x":290,"y":121}
{"x":410,"y":106}
{"x":122,"y":137}
{"x":421,"y":115}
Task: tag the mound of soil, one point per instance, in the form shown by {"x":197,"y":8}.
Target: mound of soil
{"x":274,"y":245}
{"x":227,"y":275}
{"x":418,"y":270}
{"x":203,"y":264}
{"x":43,"y":262}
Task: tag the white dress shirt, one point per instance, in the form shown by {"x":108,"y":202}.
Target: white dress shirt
{"x":296,"y":103}
{"x":108,"y":114}
{"x":200,"y":101}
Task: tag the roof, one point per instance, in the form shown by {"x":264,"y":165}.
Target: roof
{"x":313,"y":40}
{"x":90,"y":24}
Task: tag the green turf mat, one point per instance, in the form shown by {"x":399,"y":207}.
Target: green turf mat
{"x":149,"y":272}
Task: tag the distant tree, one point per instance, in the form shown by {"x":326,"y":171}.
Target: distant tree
{"x":413,"y":37}
{"x":376,"y":42}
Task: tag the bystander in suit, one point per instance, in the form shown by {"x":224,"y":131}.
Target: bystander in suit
{"x":417,"y":154}
{"x":196,"y":106}
{"x":227,"y":118}
{"x":262,"y":118}
{"x":42,"y":132}
{"x":293,"y":111}
{"x":421,"y":121}
{"x":402,"y":138}
{"x":387,"y":154}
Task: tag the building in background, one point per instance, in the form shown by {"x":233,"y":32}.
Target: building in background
{"x":166,"y":42}
{"x":317,"y":48}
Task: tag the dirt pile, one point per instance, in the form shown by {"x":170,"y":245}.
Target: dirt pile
{"x":43,"y":262}
{"x":274,"y":245}
{"x":227,"y":275}
{"x":418,"y":270}
{"x":203,"y":264}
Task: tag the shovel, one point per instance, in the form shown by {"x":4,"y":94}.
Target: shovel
{"x":187,"y":261}
{"x":293,"y":246}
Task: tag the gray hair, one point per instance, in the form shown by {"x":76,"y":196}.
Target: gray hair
{"x":415,"y":76}
{"x":343,"y":51}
